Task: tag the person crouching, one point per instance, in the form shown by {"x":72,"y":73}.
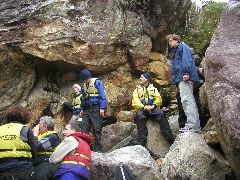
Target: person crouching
{"x":73,"y":154}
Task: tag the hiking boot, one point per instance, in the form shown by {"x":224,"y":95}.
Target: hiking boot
{"x":169,"y":137}
{"x":135,"y":143}
{"x":188,"y":129}
{"x":143,"y":143}
{"x":171,"y":140}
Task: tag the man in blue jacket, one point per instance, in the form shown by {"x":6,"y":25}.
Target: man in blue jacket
{"x":184,"y":75}
{"x":93,"y":106}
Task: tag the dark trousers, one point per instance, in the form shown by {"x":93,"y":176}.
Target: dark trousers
{"x":45,"y":171}
{"x":182,"y":119}
{"x":91,"y":117}
{"x":141,"y":119}
{"x":22,"y":172}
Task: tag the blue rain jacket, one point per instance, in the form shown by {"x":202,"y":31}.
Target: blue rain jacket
{"x":183,"y":63}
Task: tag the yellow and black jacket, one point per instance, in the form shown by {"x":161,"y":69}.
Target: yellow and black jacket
{"x":11,"y":144}
{"x":94,"y":94}
{"x":76,"y":103}
{"x":143,"y":96}
{"x":52,"y":145}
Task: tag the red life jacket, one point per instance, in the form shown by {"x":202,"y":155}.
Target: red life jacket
{"x":82,"y":154}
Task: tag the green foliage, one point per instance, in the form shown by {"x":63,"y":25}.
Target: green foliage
{"x":201,"y":25}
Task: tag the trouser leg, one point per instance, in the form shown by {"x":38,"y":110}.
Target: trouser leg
{"x":96,"y":121}
{"x":160,"y":117}
{"x":45,"y":171}
{"x":182,"y":118}
{"x":85,"y":125}
{"x":22,"y":172}
{"x":199,"y":106}
{"x":189,"y":104}
{"x":141,"y":120}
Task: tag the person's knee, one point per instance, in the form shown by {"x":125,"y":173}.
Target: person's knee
{"x":140,"y":115}
{"x":158,"y":112}
{"x":97,"y":127}
{"x":85,"y":128}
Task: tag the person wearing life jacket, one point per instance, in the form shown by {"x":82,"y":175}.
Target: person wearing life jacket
{"x":93,"y":106}
{"x":45,"y":137}
{"x":47,"y":140}
{"x":73,"y":154}
{"x":147,"y":101}
{"x":76,"y":103}
{"x":73,"y":108}
{"x":17,"y":146}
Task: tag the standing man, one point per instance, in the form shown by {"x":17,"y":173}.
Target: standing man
{"x":147,"y":101}
{"x":184,"y":75}
{"x":93,"y":106}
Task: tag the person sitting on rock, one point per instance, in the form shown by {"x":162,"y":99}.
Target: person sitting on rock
{"x":147,"y":101}
{"x":73,"y":154}
{"x":46,"y":138}
{"x":17,"y":146}
{"x":93,"y":106}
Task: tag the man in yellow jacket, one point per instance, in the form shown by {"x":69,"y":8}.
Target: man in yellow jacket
{"x":147,"y":101}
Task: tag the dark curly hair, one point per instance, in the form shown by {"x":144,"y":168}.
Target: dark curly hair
{"x":18,"y":114}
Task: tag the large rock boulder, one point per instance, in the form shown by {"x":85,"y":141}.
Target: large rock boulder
{"x":191,"y":158}
{"x":153,"y":17}
{"x":115,"y":133}
{"x":155,"y":63}
{"x":80,"y":33}
{"x":17,"y":77}
{"x":93,"y":34}
{"x":210,"y":134}
{"x":136,"y":157}
{"x":126,"y":116}
{"x":173,"y":122}
{"x":119,"y":86}
{"x":156,"y":142}
{"x":223,"y":83}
